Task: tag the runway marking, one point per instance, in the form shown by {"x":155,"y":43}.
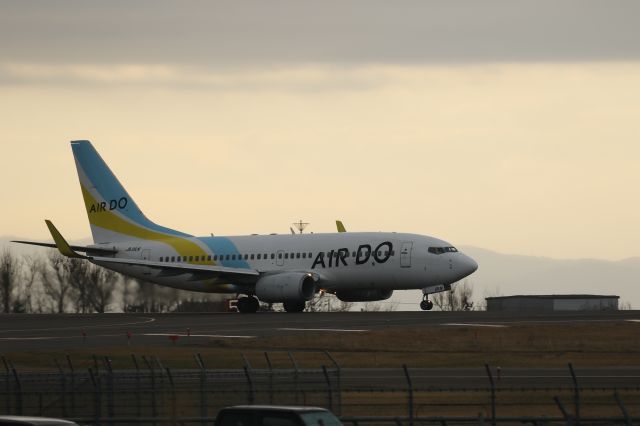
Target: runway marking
{"x":461,"y":324}
{"x":340,"y":330}
{"x":147,"y":320}
{"x":217,"y":336}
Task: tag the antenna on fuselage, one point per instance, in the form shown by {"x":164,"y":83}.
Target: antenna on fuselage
{"x":300,"y":225}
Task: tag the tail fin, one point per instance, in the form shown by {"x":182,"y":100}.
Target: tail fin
{"x":114,"y":216}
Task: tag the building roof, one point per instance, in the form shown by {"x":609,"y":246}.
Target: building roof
{"x":555,"y":296}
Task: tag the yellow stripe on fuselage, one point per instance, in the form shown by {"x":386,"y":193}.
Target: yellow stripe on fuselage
{"x":112,"y":222}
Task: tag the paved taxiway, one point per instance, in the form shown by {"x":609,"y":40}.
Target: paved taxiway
{"x":57,"y":332}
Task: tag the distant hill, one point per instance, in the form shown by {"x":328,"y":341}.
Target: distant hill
{"x":504,"y":274}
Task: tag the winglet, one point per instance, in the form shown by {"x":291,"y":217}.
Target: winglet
{"x":340,"y":226}
{"x":61,"y":243}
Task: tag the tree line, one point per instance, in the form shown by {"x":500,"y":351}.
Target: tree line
{"x":52,"y":283}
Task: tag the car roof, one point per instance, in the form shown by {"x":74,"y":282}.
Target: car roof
{"x":275,"y":407}
{"x":39,"y":421}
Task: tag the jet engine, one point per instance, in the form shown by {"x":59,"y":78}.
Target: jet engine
{"x":363,"y":295}
{"x":286,"y":287}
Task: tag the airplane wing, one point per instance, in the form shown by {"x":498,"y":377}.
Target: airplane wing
{"x":198,"y":272}
{"x":84,"y":249}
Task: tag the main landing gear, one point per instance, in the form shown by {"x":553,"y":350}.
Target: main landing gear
{"x":248,"y":305}
{"x":294,"y":306}
{"x":426,"y":304}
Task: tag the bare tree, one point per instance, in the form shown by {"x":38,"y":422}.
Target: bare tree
{"x":459,"y":298}
{"x":56,"y":280}
{"x":9,"y":273}
{"x":29,"y":293}
{"x":103,"y":282}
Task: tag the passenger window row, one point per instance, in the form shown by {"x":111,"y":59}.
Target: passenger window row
{"x":261,"y":256}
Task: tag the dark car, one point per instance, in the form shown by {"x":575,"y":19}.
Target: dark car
{"x":270,"y":415}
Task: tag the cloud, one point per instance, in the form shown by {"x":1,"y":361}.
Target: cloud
{"x":258,"y":34}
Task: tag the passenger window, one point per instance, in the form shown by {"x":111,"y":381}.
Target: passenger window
{"x":227,"y":257}
{"x":173,"y":259}
{"x":279,"y":256}
{"x":197,"y":258}
{"x":310,"y":256}
{"x":246,"y":257}
{"x":252,"y":256}
{"x":215,"y":257}
{"x":273,"y":256}
{"x":304,"y":255}
{"x":258,"y":256}
{"x":190,"y":258}
{"x":286,"y":255}
{"x":297,"y":255}
{"x":161,"y":259}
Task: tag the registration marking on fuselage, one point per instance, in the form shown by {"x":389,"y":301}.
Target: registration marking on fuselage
{"x":339,"y":330}
{"x":461,"y":324}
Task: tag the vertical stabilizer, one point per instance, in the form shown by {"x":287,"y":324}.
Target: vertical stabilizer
{"x":113,"y":215}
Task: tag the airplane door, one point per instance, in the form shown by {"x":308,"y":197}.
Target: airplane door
{"x":280,"y":258}
{"x":146,"y":254}
{"x":405,"y":254}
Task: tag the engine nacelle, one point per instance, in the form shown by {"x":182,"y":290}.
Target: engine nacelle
{"x":364,"y":295}
{"x":286,"y":287}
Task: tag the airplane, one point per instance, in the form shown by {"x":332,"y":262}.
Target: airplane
{"x":287,"y":269}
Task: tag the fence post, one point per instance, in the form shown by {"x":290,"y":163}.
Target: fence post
{"x":161,"y":389}
{"x":138,"y":391}
{"x":625,"y":413}
{"x":203,"y":387}
{"x":576,"y":394}
{"x":410,"y":390}
{"x":295,"y":376}
{"x":339,"y":382}
{"x":110,"y":389}
{"x":97,"y":403}
{"x":154,"y":411}
{"x":565,"y":414}
{"x":173,"y":396}
{"x":19,"y":391}
{"x":329,"y":393}
{"x":493,"y":395}
{"x":63,"y":388}
{"x":7,"y":384}
{"x":266,"y":355}
{"x":73,"y":386}
{"x":247,"y":374}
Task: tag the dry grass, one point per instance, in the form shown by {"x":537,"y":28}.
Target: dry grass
{"x":584,"y":344}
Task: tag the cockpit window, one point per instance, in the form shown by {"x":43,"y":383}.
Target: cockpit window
{"x":441,"y":250}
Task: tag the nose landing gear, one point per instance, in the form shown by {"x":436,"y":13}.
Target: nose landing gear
{"x":426,"y":304}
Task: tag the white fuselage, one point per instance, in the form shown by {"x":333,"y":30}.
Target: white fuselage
{"x":339,"y":261}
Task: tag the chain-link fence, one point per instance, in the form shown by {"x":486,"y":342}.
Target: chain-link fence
{"x":150,"y":393}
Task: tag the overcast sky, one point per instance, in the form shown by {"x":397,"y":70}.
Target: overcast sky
{"x":508,"y":125}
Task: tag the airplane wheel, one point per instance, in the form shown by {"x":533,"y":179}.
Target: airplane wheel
{"x":426,"y":305}
{"x":294,"y":306}
{"x":248,"y":305}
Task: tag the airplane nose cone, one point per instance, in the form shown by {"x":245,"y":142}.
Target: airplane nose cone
{"x":469,"y":266}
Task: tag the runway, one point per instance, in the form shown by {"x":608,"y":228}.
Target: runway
{"x":34,"y":332}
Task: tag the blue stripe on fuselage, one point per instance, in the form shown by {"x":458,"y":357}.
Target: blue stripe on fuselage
{"x":224,"y":246}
